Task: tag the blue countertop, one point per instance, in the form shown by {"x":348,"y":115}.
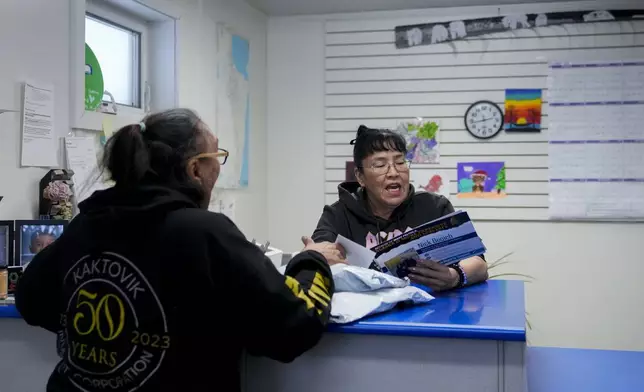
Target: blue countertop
{"x":494,"y":310}
{"x":564,"y":370}
{"x":8,"y":309}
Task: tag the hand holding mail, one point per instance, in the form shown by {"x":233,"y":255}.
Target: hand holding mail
{"x":333,"y":253}
{"x":436,"y":276}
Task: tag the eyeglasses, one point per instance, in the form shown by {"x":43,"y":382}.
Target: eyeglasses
{"x":221,"y":155}
{"x":382,"y":167}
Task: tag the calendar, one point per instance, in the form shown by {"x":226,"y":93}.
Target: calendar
{"x":596,"y":140}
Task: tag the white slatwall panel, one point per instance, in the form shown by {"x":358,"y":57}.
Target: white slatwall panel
{"x":369,"y":81}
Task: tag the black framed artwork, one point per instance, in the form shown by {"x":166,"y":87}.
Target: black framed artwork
{"x":6,"y":242}
{"x":32,"y":236}
{"x":350,"y":171}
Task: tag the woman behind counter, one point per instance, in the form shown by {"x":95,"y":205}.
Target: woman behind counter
{"x":383,"y":204}
{"x":148,"y":291}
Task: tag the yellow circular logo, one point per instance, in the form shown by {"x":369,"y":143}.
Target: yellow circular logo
{"x":115,"y":329}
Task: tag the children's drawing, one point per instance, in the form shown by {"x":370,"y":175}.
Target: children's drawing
{"x":481,"y":180}
{"x":429,"y":180}
{"x":422,"y":140}
{"x":436,"y":33}
{"x":523,"y":110}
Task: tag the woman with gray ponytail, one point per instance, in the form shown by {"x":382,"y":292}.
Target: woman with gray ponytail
{"x":148,"y":291}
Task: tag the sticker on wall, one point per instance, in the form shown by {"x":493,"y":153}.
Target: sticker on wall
{"x":429,"y":180}
{"x":523,"y":110}
{"x":94,"y":86}
{"x":421,"y":137}
{"x":481,"y":180}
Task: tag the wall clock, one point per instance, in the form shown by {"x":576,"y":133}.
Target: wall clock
{"x":484,"y":119}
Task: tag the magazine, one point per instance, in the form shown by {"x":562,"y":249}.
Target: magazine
{"x":446,"y":240}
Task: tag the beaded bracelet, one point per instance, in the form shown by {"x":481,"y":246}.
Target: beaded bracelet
{"x":462,"y":276}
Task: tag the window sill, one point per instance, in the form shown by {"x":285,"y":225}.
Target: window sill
{"x":93,"y":121}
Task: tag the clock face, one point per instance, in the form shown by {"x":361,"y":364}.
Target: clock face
{"x":484,"y":119}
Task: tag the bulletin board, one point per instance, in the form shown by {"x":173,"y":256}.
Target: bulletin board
{"x":369,"y":81}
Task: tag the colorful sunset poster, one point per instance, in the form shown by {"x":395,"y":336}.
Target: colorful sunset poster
{"x":523,"y":110}
{"x":484,"y":180}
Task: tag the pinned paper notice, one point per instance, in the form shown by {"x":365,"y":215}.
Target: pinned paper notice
{"x":108,"y":129}
{"x":38,"y":147}
{"x":81,"y":158}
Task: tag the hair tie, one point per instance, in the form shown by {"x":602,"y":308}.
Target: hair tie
{"x":142,"y":125}
{"x":352,"y":142}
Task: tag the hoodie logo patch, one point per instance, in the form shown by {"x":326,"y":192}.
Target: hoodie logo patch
{"x":372,"y":240}
{"x":115,"y":333}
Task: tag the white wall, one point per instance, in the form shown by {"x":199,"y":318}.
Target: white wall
{"x":30,"y":54}
{"x":197,"y":84}
{"x":587,"y":275}
{"x":295,"y":189}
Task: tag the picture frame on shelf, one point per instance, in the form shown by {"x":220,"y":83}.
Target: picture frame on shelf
{"x":32,"y":236}
{"x":6,"y":242}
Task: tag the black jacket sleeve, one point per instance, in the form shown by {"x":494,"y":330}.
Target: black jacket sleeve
{"x":326,"y":229}
{"x":39,"y":289}
{"x":445,"y":206}
{"x":282,"y":316}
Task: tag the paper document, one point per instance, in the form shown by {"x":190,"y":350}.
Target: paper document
{"x":80,"y":153}
{"x":356,"y":254}
{"x":38,"y":146}
{"x":446,"y":240}
{"x":224,"y":204}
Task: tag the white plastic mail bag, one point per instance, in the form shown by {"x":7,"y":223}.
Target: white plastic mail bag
{"x":350,"y":307}
{"x":354,"y":279}
{"x":361,"y":292}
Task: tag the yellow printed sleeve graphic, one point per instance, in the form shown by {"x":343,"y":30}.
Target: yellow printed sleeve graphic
{"x":315,"y":297}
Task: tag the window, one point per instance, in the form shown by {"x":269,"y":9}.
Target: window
{"x":123,"y":35}
{"x":118,"y":52}
{"x":118,"y":42}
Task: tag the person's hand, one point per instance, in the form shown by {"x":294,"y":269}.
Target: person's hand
{"x":333,"y":253}
{"x":434,"y":275}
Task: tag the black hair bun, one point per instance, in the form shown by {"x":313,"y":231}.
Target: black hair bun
{"x":362,"y":129}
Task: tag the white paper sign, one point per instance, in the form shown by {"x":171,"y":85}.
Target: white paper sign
{"x":80,"y":153}
{"x":38,"y":146}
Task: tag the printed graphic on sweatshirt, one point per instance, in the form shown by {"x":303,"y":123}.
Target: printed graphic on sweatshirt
{"x":372,"y":240}
{"x":115,"y":332}
{"x":316,"y":297}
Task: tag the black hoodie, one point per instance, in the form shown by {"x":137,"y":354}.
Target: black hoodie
{"x":352,"y":218}
{"x":146,"y":290}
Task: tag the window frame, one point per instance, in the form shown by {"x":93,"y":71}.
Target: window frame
{"x":162,"y":19}
{"x":118,"y":18}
